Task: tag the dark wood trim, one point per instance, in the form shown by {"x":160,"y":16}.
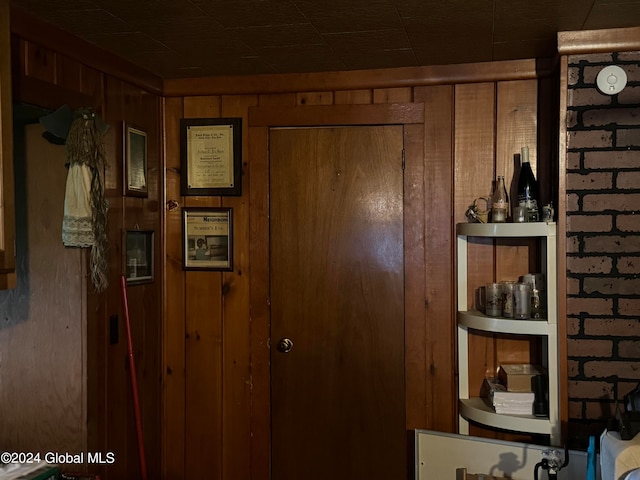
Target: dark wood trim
{"x":316,"y":115}
{"x":561,"y":252}
{"x":599,"y":41}
{"x":46,"y":95}
{"x":34,"y":30}
{"x":360,"y":79}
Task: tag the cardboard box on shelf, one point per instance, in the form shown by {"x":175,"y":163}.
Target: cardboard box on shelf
{"x":517,"y":377}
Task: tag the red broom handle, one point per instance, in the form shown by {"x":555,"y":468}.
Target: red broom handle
{"x":134,"y":381}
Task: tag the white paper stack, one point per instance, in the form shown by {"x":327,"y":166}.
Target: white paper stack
{"x":510,"y":403}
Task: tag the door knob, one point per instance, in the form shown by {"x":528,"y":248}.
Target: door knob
{"x":285,"y":345}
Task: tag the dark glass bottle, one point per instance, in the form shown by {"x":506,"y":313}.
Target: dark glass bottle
{"x":527,"y":187}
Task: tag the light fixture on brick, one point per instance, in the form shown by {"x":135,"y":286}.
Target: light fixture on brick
{"x":611,"y":80}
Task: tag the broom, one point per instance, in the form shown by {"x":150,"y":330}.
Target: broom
{"x":134,"y":381}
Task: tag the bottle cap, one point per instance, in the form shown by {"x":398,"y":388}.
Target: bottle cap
{"x":524,"y":154}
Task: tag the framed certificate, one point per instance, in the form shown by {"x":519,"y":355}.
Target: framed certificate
{"x":211,"y":156}
{"x":135,"y":161}
{"x":207,"y":238}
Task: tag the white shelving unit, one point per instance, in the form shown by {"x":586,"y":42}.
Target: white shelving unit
{"x":476,"y":409}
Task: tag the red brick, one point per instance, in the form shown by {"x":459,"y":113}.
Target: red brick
{"x":573,"y":326}
{"x":591,"y":306}
{"x":628,"y":265}
{"x":614,"y":327}
{"x":579,"y":97}
{"x":631,"y":307}
{"x":611,"y":286}
{"x":628,"y":180}
{"x":589,"y":348}
{"x":595,"y":410}
{"x":573,"y":75}
{"x":589,"y":264}
{"x":590,"y":389}
{"x":611,"y":201}
{"x":610,"y":116}
{"x":573,"y":286}
{"x":625,"y":387}
{"x":604,"y":369}
{"x":628,"y":137}
{"x":612,"y":244}
{"x":573,"y":368}
{"x":630,"y":95}
{"x":589,"y":139}
{"x":590,"y":72}
{"x":572,"y":119}
{"x":573,"y":244}
{"x":589,"y":223}
{"x":611,"y":159}
{"x":628,"y":223}
{"x":572,"y":203}
{"x":591,"y":58}
{"x":629,"y":349}
{"x":629,"y":56}
{"x":573,"y":160}
{"x":575,"y":410}
{"x":589,"y":181}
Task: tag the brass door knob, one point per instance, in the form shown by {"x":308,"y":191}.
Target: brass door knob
{"x":285,"y":345}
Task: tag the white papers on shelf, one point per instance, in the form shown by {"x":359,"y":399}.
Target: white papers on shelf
{"x":510,"y":403}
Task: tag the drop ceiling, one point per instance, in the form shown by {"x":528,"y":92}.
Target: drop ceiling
{"x":198,"y":38}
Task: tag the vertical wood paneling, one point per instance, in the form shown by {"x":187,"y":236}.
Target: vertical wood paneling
{"x":392,"y":95}
{"x":474,"y":124}
{"x":516,"y":126}
{"x":285,"y":99}
{"x":438,"y":179}
{"x":173,"y":418}
{"x":353,"y":97}
{"x":40,"y":63}
{"x":43,"y":346}
{"x":236,"y":365}
{"x":203,"y":344}
{"x":315,"y":98}
{"x":417,"y":403}
{"x":260,"y":294}
{"x":7,"y":188}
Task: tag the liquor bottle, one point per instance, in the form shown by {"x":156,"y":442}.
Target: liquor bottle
{"x":527,"y":187}
{"x":499,"y":202}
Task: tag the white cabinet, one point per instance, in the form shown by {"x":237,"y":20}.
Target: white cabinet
{"x":546,"y":329}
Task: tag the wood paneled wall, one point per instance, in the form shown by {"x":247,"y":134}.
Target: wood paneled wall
{"x":50,"y":69}
{"x":216,"y":388}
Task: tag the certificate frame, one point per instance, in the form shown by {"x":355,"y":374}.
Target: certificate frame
{"x":211,"y":156}
{"x":207,"y":238}
{"x":135,"y":161}
{"x":138,"y":258}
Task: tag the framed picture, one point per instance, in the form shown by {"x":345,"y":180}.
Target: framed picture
{"x":135,"y":161}
{"x":211,"y":156}
{"x":139,"y":256}
{"x":207,"y":238}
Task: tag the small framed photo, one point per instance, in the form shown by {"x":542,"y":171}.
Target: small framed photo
{"x":207,"y":238}
{"x":211,"y":156}
{"x":138,"y":256}
{"x":135,"y":161}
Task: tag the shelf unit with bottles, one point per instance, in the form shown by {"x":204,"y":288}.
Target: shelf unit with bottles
{"x":470,"y":321}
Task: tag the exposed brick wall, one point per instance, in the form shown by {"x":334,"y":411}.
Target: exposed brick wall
{"x":603,"y":240}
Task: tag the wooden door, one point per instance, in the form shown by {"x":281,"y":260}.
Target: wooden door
{"x":337,"y":283}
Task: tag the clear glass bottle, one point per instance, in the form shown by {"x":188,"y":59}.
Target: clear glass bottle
{"x":499,"y":202}
{"x":527,"y":187}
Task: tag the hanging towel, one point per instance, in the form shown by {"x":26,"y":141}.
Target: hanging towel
{"x":77,"y":223}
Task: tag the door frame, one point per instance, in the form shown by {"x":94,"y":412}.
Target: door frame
{"x":411,"y":116}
